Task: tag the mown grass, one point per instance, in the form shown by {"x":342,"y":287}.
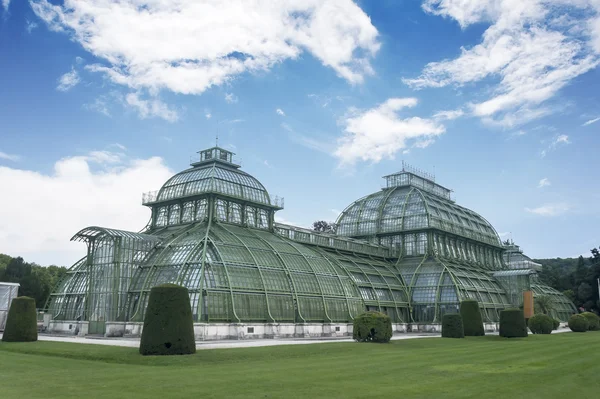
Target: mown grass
{"x":540,"y":366}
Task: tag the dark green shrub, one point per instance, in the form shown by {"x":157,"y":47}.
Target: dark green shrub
{"x":512,"y":323}
{"x":21,"y":323}
{"x":593,"y":321}
{"x":452,"y":326}
{"x":555,"y":324}
{"x":168,"y":325}
{"x":471,"y":317}
{"x":578,"y":323}
{"x":372,"y":327}
{"x":541,"y":324}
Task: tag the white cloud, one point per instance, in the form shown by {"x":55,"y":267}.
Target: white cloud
{"x":154,"y":44}
{"x":527,"y":48}
{"x":119,"y":146}
{"x":151,"y":108}
{"x":30,"y":25}
{"x":9,"y":157}
{"x":5,"y":4}
{"x":280,"y":112}
{"x":99,"y":105}
{"x":68,"y":80}
{"x":207,"y":114}
{"x":591,"y":121}
{"x":562,"y":139}
{"x":267,"y":164}
{"x":99,"y":189}
{"x":557,"y":141}
{"x":231,"y":98}
{"x":379,"y":132}
{"x":449,"y":115}
{"x":550,"y":209}
{"x":544,"y":182}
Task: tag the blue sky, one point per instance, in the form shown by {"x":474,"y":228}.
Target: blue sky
{"x":103,"y":100}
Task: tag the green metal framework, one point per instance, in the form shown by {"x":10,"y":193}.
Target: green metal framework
{"x":408,"y":251}
{"x":445,"y":253}
{"x":562,"y":307}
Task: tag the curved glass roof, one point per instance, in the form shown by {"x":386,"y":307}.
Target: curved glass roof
{"x":256,"y":275}
{"x":404,"y":208}
{"x":214,"y":178}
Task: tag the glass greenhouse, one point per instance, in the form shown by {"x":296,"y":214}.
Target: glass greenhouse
{"x":407,"y":250}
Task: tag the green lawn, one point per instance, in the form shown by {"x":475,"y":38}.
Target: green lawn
{"x":548,"y":366}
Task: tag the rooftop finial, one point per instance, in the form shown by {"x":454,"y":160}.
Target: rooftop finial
{"x":217,"y":138}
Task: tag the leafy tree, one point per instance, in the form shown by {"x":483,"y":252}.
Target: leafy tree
{"x":569,"y":294}
{"x":324,"y":227}
{"x":35,"y":281}
{"x":544,"y":304}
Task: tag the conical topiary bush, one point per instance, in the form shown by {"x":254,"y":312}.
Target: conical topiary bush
{"x":21,"y":323}
{"x":471,"y":317}
{"x":168,"y":324}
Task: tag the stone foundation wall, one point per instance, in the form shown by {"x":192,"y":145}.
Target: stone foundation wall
{"x":237,"y":331}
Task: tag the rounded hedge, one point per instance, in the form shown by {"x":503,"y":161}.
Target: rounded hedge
{"x":21,"y":322}
{"x":578,"y":323}
{"x":452,"y":326}
{"x":372,"y":327}
{"x":168,"y":324}
{"x":593,"y":321}
{"x":512,"y":323}
{"x":556,"y":324}
{"x":471,"y":317}
{"x":541,"y":324}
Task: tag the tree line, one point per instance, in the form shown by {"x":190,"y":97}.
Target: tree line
{"x":35,"y":281}
{"x":577,"y":278}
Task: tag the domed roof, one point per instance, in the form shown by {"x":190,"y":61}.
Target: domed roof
{"x":407,"y":207}
{"x":214,"y":173}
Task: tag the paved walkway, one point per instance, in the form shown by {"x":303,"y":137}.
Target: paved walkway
{"x":247,"y":343}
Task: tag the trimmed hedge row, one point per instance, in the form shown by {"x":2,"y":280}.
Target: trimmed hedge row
{"x":372,"y":327}
{"x":452,"y":326}
{"x":471,"y":317}
{"x":512,"y":323}
{"x":168,"y":324}
{"x":578,"y":323}
{"x":21,"y":322}
{"x":593,"y":321}
{"x":541,"y":324}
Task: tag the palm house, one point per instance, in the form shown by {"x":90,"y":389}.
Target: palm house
{"x":407,"y":250}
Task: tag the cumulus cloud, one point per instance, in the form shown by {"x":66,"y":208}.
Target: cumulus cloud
{"x":591,"y":121}
{"x":69,"y":80}
{"x":187,"y":46}
{"x":45,"y":210}
{"x":151,"y":108}
{"x":550,"y":209}
{"x":380,"y":132}
{"x":9,"y":157}
{"x":544,"y":182}
{"x":5,"y":4}
{"x":280,"y":112}
{"x":528,"y":49}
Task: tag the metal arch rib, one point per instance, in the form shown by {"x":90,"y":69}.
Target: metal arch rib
{"x":93,"y":232}
{"x":258,"y":267}
{"x":286,"y":268}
